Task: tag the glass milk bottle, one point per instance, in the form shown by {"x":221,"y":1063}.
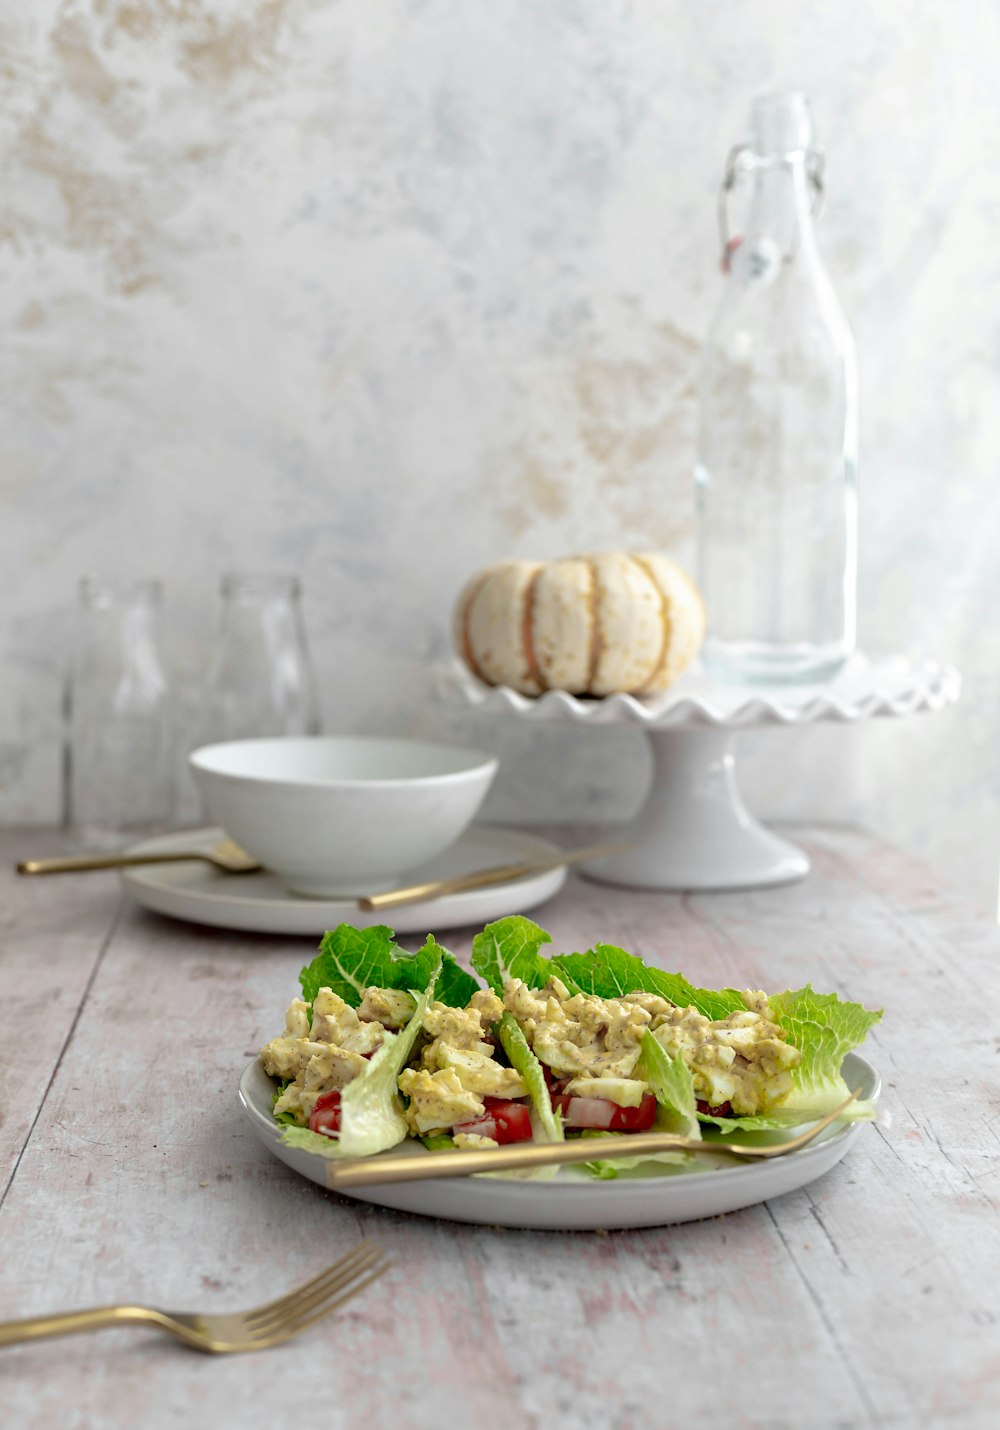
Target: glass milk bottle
{"x":119,"y":750}
{"x":260,"y":679}
{"x":776,"y":478}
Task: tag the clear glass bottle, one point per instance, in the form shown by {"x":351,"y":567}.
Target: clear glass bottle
{"x":260,"y":680}
{"x":119,"y":718}
{"x":776,"y":477}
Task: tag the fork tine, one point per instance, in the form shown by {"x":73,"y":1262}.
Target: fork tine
{"x":343,"y":1261}
{"x":294,"y":1305}
{"x":303,"y":1306}
{"x":350,"y":1265}
{"x":292,"y":1326}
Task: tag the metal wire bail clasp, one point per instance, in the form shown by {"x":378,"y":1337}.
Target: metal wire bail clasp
{"x":742,"y":161}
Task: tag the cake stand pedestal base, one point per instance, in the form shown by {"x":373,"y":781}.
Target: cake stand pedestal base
{"x":694,"y":831}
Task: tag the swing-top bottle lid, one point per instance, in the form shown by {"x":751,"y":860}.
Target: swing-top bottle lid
{"x":781,"y":123}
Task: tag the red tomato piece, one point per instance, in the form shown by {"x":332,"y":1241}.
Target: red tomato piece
{"x":325,"y":1116}
{"x":602,"y":1115}
{"x":503,"y":1121}
{"x":724,"y":1109}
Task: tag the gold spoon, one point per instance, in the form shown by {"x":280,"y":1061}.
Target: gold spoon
{"x":227,"y":856}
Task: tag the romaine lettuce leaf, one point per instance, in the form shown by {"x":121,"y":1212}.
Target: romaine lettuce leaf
{"x":371,"y":1112}
{"x":605,"y":1170}
{"x":455,"y":985}
{"x":287,"y":1119}
{"x":610,"y":972}
{"x":351,"y":960}
{"x":509,"y":949}
{"x":823,"y":1028}
{"x":438,"y":1142}
{"x":671,"y":1084}
{"x":547,"y":1124}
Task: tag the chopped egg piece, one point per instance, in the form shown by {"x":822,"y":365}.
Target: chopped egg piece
{"x":389,"y":1006}
{"x":625,"y":1091}
{"x":437,"y":1100}
{"x":481,"y":1073}
{"x":335,"y":1021}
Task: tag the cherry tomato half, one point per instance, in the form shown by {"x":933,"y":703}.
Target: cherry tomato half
{"x":503,"y":1121}
{"x":325,"y":1116}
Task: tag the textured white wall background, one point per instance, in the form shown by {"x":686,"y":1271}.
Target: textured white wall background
{"x":380,"y":290}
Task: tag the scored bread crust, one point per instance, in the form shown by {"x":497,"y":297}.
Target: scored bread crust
{"x":590,"y":625}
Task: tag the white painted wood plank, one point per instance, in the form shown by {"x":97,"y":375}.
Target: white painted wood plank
{"x":868,"y":1299}
{"x":52,"y":933}
{"x":897,"y":1267}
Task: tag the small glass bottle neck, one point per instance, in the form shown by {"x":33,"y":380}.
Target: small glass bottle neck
{"x":781,"y":207}
{"x":119,"y":620}
{"x":260,"y":590}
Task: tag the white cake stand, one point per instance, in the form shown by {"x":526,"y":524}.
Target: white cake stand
{"x":694,"y":831}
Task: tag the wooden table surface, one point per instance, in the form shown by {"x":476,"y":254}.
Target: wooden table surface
{"x":871,"y":1297}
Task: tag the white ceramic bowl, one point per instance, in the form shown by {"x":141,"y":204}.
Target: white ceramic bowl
{"x":338,"y":814}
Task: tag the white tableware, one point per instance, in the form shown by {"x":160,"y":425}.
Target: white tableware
{"x":694,"y":831}
{"x":341,"y":815}
{"x":260,"y":904}
{"x":652,"y":1195}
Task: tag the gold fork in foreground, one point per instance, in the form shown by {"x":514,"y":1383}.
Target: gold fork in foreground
{"x":375,"y":1171}
{"x":241,"y":1330}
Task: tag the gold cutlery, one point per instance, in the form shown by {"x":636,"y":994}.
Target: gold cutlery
{"x":481,"y":878}
{"x":231,"y":859}
{"x":227,"y":856}
{"x":386,"y":1168}
{"x":255,"y":1330}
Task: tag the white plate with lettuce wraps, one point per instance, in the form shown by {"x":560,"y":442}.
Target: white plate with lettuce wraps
{"x":390,"y":1051}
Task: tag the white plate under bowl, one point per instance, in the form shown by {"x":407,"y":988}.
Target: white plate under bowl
{"x":654,"y":1195}
{"x":258,"y":902}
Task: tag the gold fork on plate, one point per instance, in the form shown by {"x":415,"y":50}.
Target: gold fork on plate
{"x":254,"y":1330}
{"x":377,"y":1171}
{"x":226,"y":855}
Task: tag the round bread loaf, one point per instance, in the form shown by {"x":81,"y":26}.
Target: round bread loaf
{"x":590,"y":625}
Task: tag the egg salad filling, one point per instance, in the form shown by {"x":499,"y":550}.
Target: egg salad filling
{"x":324,"y":1048}
{"x":741,"y":1063}
{"x":457,"y":1070}
{"x":385,"y":1045}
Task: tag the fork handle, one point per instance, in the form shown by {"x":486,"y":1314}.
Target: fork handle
{"x":71,"y":1323}
{"x":68,"y":864}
